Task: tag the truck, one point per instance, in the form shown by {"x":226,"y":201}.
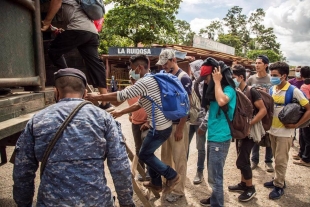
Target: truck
{"x":26,"y":74}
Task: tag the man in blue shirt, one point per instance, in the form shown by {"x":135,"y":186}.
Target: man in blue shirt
{"x":219,"y":134}
{"x":74,"y":173}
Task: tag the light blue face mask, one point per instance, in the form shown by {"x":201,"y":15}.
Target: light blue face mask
{"x":134,"y":75}
{"x":275,"y":81}
{"x":237,"y":84}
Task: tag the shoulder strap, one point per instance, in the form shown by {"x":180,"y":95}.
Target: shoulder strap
{"x":289,"y":95}
{"x":181,"y":74}
{"x":57,"y":135}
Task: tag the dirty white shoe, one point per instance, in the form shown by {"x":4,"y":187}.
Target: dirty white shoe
{"x":269,"y":167}
{"x":198,"y":178}
{"x":173,"y":197}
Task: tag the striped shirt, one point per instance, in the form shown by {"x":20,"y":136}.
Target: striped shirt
{"x":277,"y":127}
{"x":147,"y":86}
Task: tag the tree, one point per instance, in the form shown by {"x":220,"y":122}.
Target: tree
{"x":244,"y":33}
{"x":235,"y":21}
{"x":233,"y":41}
{"x":184,"y":33}
{"x":272,"y":55}
{"x":214,"y":29}
{"x":143,"y":21}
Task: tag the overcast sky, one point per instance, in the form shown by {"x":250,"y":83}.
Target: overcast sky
{"x":289,"y":18}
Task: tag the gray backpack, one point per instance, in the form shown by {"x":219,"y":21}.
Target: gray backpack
{"x":94,"y":9}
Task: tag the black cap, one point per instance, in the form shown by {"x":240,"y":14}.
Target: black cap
{"x":264,"y":58}
{"x":70,"y":72}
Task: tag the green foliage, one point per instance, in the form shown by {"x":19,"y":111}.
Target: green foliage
{"x":184,"y":33}
{"x":229,"y":39}
{"x":143,"y":21}
{"x":215,"y":28}
{"x":272,"y":55}
{"x":245,"y":33}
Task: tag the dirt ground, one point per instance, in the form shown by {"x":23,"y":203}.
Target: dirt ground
{"x":297,"y":193}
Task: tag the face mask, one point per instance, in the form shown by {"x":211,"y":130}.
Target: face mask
{"x":247,"y":74}
{"x":275,"y":81}
{"x":134,"y":75}
{"x":236,"y":82}
{"x":297,"y":74}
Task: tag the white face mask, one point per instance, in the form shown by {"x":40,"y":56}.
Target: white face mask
{"x":297,"y":74}
{"x":248,"y":74}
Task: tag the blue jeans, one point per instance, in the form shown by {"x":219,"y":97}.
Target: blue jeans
{"x":200,"y":146}
{"x":216,"y":156}
{"x":156,"y":167}
{"x":255,"y":154}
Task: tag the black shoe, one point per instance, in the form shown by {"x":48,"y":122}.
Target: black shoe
{"x":276,"y":193}
{"x":240,"y":187}
{"x":205,"y":202}
{"x":270,"y":184}
{"x":107,"y":107}
{"x":248,"y":194}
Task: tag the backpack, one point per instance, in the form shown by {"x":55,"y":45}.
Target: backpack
{"x":174,"y":98}
{"x":94,"y":9}
{"x":195,"y":105}
{"x":292,"y":110}
{"x":240,"y":125}
{"x":269,"y":104}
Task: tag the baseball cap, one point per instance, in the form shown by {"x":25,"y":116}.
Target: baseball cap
{"x":165,"y":55}
{"x":264,"y":58}
{"x":70,"y":72}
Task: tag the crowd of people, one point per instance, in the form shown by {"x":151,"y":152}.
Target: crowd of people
{"x":74,"y":173}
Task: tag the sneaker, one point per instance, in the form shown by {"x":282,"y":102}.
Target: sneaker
{"x":271,"y":185}
{"x":173,"y":197}
{"x":147,"y":176}
{"x":171,"y":183}
{"x":240,"y":187}
{"x":140,"y":178}
{"x":248,"y":194}
{"x":107,"y":107}
{"x":254,"y":165}
{"x":302,"y":163}
{"x":205,"y":202}
{"x":276,"y":193}
{"x":269,"y":167}
{"x":198,"y":178}
{"x":150,"y":185}
{"x":296,"y":157}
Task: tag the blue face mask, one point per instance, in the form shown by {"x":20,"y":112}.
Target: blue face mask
{"x":236,"y":82}
{"x":275,"y":81}
{"x":134,"y":75}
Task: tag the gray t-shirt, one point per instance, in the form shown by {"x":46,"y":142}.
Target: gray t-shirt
{"x":263,"y":82}
{"x":75,"y":18}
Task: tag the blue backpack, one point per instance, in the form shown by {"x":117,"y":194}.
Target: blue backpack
{"x":94,"y":9}
{"x":174,"y":98}
{"x":288,"y":95}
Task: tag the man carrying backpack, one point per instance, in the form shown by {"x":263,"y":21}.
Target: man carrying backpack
{"x":174,"y":150}
{"x":80,"y":33}
{"x":281,"y":136}
{"x":158,"y":133}
{"x":244,"y":146}
{"x":219,"y":92}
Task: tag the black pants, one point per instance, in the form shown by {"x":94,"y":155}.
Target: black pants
{"x":304,"y":142}
{"x":244,"y":147}
{"x":87,"y":43}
